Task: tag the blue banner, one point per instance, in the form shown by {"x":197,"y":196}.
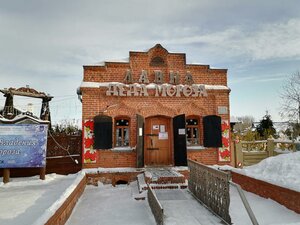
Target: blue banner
{"x":23,"y":145}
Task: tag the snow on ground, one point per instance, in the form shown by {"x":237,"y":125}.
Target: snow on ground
{"x":282,"y":170}
{"x":116,"y":205}
{"x":266,"y":211}
{"x":180,"y":207}
{"x":29,"y":200}
{"x":107,"y":205}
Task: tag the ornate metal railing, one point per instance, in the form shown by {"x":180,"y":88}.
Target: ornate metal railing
{"x":155,"y":206}
{"x":211,"y":187}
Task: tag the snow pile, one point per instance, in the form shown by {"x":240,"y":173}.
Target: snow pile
{"x":29,"y":200}
{"x":266,"y":211}
{"x":110,"y":206}
{"x":59,"y":202}
{"x":282,"y":170}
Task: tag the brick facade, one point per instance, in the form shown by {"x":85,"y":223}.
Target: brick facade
{"x":95,"y":101}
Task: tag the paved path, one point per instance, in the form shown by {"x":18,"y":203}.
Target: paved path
{"x":108,"y":205}
{"x":181,"y":208}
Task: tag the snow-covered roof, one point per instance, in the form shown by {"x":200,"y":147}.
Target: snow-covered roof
{"x":21,"y":117}
{"x":148,"y":86}
{"x":102,"y":63}
{"x":233,"y":119}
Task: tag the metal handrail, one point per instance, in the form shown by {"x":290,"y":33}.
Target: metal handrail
{"x":246,"y":203}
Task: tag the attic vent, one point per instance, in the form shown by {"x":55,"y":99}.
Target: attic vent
{"x":157,"y":61}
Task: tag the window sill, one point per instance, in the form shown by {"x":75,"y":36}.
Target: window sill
{"x":195,"y":148}
{"x":122,"y":149}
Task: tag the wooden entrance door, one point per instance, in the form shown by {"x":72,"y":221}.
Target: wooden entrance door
{"x":157,"y":149}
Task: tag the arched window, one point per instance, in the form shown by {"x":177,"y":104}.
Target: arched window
{"x":192,"y":131}
{"x":157,"y":61}
{"x":122,"y":132}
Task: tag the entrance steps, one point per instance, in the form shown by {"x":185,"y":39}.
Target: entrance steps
{"x":161,"y":178}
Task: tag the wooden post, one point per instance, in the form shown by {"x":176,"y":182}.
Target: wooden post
{"x":232,"y":153}
{"x":239,"y":155}
{"x":294,"y":146}
{"x":6,"y":175}
{"x":42,"y":173}
{"x":270,"y":147}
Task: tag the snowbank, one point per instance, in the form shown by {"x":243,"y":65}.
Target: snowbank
{"x":29,"y":200}
{"x":58,"y":203}
{"x":282,"y":170}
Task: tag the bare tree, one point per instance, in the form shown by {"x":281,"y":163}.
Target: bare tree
{"x":290,"y":95}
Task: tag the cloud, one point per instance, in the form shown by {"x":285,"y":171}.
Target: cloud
{"x":257,"y":79}
{"x":267,"y":42}
{"x":45,"y":43}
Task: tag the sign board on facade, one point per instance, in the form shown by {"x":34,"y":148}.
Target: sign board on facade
{"x":162,"y":128}
{"x":222,"y":110}
{"x":155,"y":127}
{"x":181,"y":131}
{"x":163,"y":135}
{"x":23,"y":145}
{"x":166,"y":90}
{"x":140,"y":132}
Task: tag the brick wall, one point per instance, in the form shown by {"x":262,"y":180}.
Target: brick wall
{"x":208,"y":157}
{"x":96,"y":101}
{"x":288,"y":198}
{"x":111,"y":178}
{"x":61,"y":216}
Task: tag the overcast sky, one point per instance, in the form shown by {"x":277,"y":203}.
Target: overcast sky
{"x":45,"y":43}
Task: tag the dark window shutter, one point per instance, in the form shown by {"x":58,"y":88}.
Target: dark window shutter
{"x":102,"y":132}
{"x":180,"y":154}
{"x":140,"y":140}
{"x":212,"y":131}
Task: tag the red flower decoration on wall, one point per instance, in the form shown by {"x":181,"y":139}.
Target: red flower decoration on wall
{"x":88,"y":142}
{"x":225,"y":154}
{"x":90,"y":155}
{"x":225,"y":126}
{"x":225,"y":142}
{"x":90,"y":124}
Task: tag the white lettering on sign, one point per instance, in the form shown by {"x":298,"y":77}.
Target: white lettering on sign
{"x":160,"y":90}
{"x":144,"y":77}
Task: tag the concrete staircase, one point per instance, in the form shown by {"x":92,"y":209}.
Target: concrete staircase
{"x":161,"y":178}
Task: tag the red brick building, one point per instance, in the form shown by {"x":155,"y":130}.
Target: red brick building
{"x":154,"y":110}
